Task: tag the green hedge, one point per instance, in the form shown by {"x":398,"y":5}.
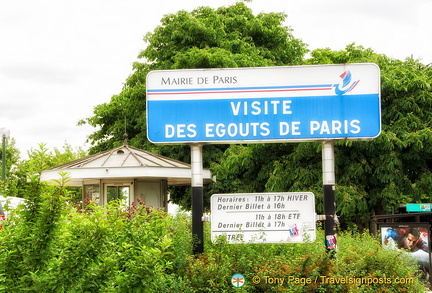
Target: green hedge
{"x":51,"y":246}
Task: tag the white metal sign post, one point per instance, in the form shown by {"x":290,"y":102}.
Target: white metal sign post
{"x":287,"y":217}
{"x":197,"y":198}
{"x":267,"y":104}
{"x":329,"y":181}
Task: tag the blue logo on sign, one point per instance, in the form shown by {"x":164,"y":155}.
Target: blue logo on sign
{"x":347,"y":83}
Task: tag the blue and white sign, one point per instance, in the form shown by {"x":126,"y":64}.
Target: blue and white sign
{"x":265,"y":104}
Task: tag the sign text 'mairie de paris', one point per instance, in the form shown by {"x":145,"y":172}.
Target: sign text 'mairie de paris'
{"x":285,"y":217}
{"x":265,"y":104}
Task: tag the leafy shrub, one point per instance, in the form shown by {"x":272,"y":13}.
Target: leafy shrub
{"x":362,"y":256}
{"x":50,"y":246}
{"x":360,"y":265}
{"x":101,"y":249}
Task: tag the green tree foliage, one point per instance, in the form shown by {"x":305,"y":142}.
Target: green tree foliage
{"x":41,"y":158}
{"x":226,"y":37}
{"x":373,"y":177}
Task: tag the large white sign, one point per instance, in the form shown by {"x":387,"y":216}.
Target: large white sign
{"x":265,"y":104}
{"x":287,"y":217}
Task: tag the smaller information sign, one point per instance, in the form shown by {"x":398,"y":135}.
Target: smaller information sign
{"x":287,"y":217}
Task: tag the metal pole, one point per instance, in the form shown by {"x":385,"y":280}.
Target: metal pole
{"x":329,"y":182}
{"x":4,"y":159}
{"x":197,"y":199}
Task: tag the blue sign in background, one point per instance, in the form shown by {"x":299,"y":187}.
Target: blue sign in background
{"x":268,"y":119}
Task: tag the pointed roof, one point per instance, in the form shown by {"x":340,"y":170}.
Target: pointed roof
{"x":125,"y":162}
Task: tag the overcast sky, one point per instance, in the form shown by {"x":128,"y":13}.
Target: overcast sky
{"x":59,"y":59}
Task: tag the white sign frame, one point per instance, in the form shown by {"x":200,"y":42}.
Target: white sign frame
{"x":264,"y":104}
{"x":277,"y":217}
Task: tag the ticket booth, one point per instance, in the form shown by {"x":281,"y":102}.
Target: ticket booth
{"x":126,"y":173}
